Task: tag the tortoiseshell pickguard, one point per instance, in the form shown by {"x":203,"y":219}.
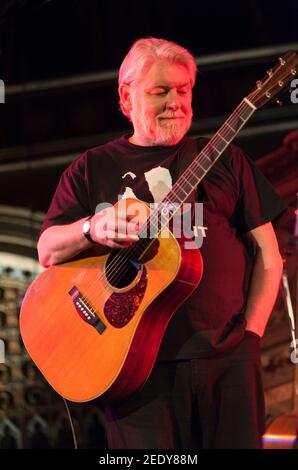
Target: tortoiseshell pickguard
{"x":121,"y":306}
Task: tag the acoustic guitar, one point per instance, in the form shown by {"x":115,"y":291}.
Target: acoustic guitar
{"x":93,"y":326}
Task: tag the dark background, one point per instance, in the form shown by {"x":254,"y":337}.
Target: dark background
{"x":54,"y":38}
{"x":43,"y":128}
{"x":59,"y":61}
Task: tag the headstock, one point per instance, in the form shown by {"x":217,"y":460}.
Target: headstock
{"x":277,"y":79}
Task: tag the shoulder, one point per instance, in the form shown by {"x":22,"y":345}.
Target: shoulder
{"x":95,"y":157}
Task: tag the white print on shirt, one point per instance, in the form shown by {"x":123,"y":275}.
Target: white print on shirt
{"x":202,"y":229}
{"x":159,"y":182}
{"x":128,"y":192}
{"x":129,"y":173}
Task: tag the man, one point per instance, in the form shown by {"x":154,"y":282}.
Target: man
{"x":205,"y":390}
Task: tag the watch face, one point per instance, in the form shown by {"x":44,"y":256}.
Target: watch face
{"x":86,"y":226}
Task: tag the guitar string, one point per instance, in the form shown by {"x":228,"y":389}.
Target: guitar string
{"x":125,"y":254}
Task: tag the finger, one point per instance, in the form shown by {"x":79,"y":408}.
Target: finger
{"x":125,"y":228}
{"x":124,"y":215}
{"x":114,"y":244}
{"x":123,"y":237}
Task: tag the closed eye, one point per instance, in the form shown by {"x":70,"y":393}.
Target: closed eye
{"x":158,"y":91}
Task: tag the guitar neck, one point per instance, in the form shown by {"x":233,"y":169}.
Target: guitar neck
{"x":210,"y":153}
{"x":276,"y":80}
{"x":199,"y":167}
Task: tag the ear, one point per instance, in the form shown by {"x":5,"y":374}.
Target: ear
{"x":125,"y":96}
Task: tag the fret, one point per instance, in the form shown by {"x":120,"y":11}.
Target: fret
{"x":192,"y":178}
{"x":222,"y":138}
{"x":239,"y":121}
{"x":239,"y":116}
{"x":218,"y":145}
{"x":230,"y":127}
{"x":183,"y":177}
{"x":174,"y":193}
{"x":211,"y":155}
{"x":172,"y":205}
{"x":246,"y":112}
{"x":198,"y":163}
{"x":205,"y":155}
{"x":180,"y":187}
{"x":218,"y":152}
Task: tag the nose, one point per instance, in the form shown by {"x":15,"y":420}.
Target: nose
{"x":173,"y":100}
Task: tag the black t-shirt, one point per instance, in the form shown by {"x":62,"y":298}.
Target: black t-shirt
{"x":236,"y":198}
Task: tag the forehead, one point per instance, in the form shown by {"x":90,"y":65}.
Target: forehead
{"x":165,"y":73}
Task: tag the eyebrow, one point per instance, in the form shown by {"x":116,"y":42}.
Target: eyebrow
{"x":167,"y":86}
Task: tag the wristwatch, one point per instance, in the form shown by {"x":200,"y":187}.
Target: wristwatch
{"x":87,"y":229}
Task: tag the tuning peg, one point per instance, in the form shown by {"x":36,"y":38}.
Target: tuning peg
{"x":281,"y":83}
{"x":293,"y":71}
{"x":281,"y":61}
{"x":279,"y":103}
{"x":259,"y":84}
{"x":269,"y":73}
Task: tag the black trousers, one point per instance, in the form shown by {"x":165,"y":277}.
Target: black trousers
{"x":204,"y":403}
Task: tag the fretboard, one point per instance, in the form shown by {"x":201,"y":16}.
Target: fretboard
{"x":196,"y":171}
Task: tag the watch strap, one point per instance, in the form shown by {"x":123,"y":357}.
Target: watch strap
{"x":87,"y":235}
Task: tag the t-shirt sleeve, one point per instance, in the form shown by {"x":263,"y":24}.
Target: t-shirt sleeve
{"x":258,"y":203}
{"x":71,"y":199}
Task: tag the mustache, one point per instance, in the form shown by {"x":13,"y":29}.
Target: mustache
{"x":171,"y":116}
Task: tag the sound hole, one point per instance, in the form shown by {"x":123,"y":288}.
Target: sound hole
{"x":121,"y":271}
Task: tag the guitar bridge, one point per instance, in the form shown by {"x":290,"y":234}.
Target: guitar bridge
{"x":85,"y":310}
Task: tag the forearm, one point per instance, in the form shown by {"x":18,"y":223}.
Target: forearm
{"x":263,"y":291}
{"x":61,"y":243}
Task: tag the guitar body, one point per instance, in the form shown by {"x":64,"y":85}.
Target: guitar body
{"x":92,"y":336}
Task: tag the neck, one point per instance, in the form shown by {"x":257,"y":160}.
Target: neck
{"x":134,"y":140}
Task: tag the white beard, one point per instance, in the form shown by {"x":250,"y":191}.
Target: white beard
{"x":165,"y":132}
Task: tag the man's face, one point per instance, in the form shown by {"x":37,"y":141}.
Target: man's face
{"x":161,"y":110}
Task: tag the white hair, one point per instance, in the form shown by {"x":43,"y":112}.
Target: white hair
{"x":146,"y":51}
